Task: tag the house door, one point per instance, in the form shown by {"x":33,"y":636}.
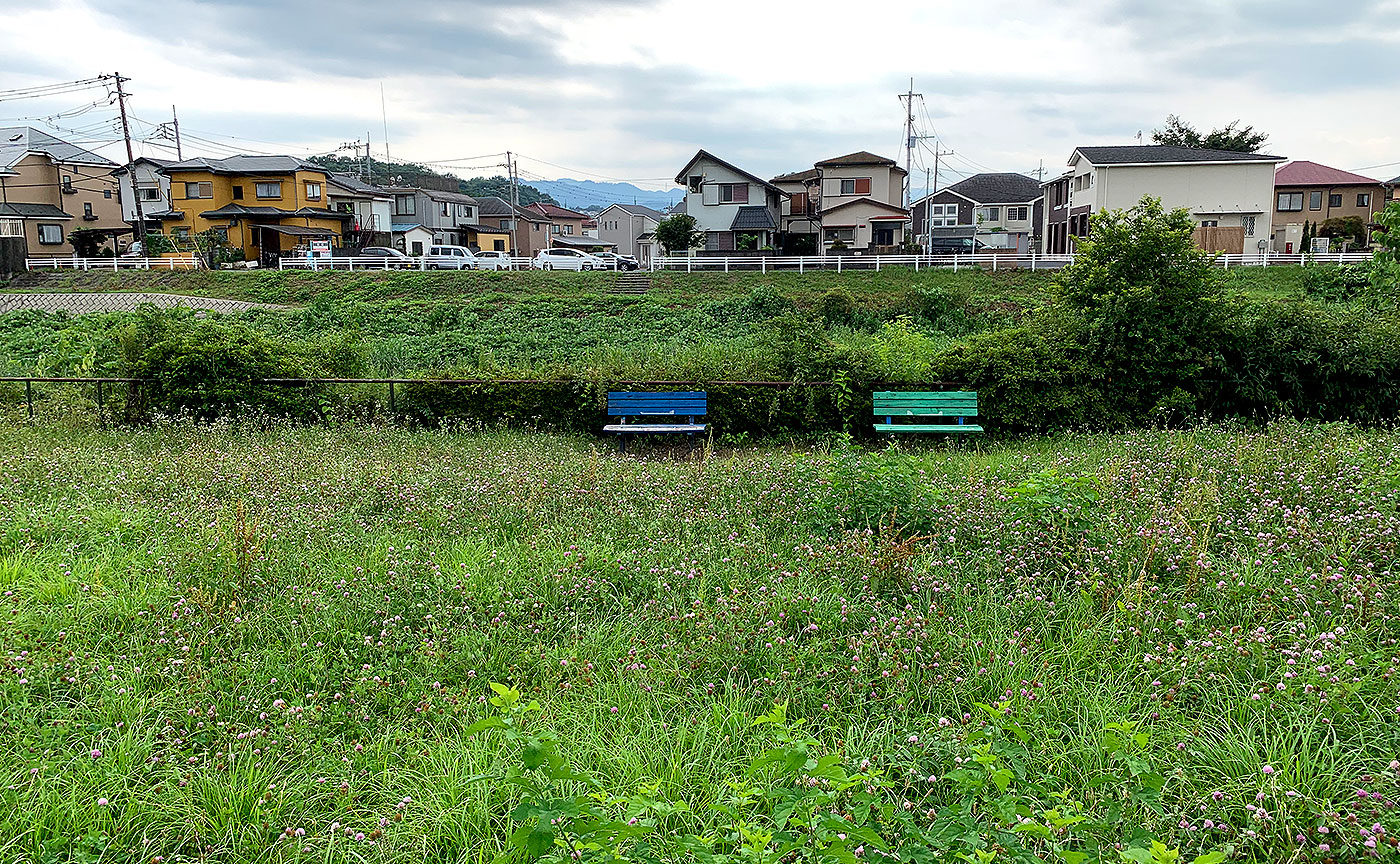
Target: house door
{"x":882,"y":236}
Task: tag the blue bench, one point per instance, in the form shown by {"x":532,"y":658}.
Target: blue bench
{"x":650,"y":410}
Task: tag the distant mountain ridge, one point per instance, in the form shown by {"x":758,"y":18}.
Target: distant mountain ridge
{"x":593,"y":195}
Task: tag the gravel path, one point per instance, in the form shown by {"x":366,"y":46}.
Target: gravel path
{"x":80,"y":303}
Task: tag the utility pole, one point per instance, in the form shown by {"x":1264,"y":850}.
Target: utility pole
{"x":909,"y":140}
{"x":368,"y":175}
{"x":139,"y":229}
{"x":938,"y":153}
{"x":514,"y":201}
{"x":175,"y":121}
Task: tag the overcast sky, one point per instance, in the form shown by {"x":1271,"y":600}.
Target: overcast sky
{"x":629,"y":89}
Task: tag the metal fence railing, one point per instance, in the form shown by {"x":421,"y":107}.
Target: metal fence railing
{"x":364,"y":262}
{"x":184,"y":262}
{"x":985,"y":260}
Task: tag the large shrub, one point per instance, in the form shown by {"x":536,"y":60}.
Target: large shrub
{"x":1149,"y":298}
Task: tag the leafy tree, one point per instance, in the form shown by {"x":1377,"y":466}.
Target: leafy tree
{"x":414,"y":174}
{"x":1385,"y":272}
{"x":1179,"y":133}
{"x":678,"y":232}
{"x":86,"y":242}
{"x":1149,"y":298}
{"x":1349,"y":228}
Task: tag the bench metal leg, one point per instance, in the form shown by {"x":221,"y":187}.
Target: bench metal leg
{"x":622,"y":442}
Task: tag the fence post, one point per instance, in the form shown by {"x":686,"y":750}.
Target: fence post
{"x":99,"y":400}
{"x":838,"y":263}
{"x":689,"y":260}
{"x":392,"y":409}
{"x":763,"y":264}
{"x":877,"y":263}
{"x":29,"y":398}
{"x":955,"y":262}
{"x":801,"y":264}
{"x":995,"y":258}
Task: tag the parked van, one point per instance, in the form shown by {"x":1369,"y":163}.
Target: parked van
{"x":566,"y":259}
{"x":450,"y":258}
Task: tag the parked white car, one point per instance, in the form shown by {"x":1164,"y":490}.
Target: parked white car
{"x":493,"y":260}
{"x":450,"y":258}
{"x":567,"y":259}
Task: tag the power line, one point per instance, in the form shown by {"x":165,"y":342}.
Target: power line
{"x":48,"y":90}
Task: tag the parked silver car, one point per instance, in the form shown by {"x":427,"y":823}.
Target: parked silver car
{"x":450,"y":258}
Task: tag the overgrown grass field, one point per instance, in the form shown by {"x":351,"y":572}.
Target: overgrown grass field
{"x":233,"y":645}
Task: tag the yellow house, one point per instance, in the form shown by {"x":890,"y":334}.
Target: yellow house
{"x":265,"y":205}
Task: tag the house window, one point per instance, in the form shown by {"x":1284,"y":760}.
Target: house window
{"x":238,"y":193}
{"x":943,"y":215}
{"x":444,"y":208}
{"x":1314,"y":200}
{"x":1248,"y":223}
{"x":220,"y":233}
{"x":199,"y":190}
{"x":87,"y":210}
{"x":67,"y":183}
{"x":404,"y":205}
{"x":555,"y":229}
{"x":695,"y":182}
{"x":153,"y":194}
{"x":1017,"y":214}
{"x":1334,"y":200}
{"x":498,"y":245}
{"x":1210,"y":223}
{"x":1290,"y":202}
{"x":51,"y":235}
{"x":417,"y":248}
{"x":106,"y":193}
{"x":1362,"y":199}
{"x":994,"y":214}
{"x":856,"y":186}
{"x":799,"y":204}
{"x":313,"y":191}
{"x":845,"y":235}
{"x":181,"y":232}
{"x":267,"y":190}
{"x":568,"y":229}
{"x":733,"y":193}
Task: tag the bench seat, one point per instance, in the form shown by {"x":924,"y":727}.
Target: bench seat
{"x":673,"y":413}
{"x":923,"y":427}
{"x":660,"y":428}
{"x":944,"y":412}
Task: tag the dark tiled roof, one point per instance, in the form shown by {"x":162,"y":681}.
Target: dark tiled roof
{"x":869,"y":201}
{"x":679,"y":209}
{"x":860,"y":157}
{"x":351,"y":183}
{"x":1146,"y":153}
{"x":997,"y":188}
{"x":242,"y":164}
{"x":1394,"y":181}
{"x":753,"y":217}
{"x":490,"y":205}
{"x":704,"y":154}
{"x":229,"y":211}
{"x":32,"y":211}
{"x":797,"y":176}
{"x":149,"y":160}
{"x":18,"y":141}
{"x":554,"y":211}
{"x":639,"y":210}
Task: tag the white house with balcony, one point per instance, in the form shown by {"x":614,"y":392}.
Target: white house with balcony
{"x":736,"y":210}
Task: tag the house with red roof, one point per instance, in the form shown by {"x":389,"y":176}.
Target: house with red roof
{"x":1308,"y":192}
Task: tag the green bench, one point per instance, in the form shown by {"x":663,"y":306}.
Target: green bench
{"x":945,"y":412}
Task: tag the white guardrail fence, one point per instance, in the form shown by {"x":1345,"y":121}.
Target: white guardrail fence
{"x":363,"y":262}
{"x":188,"y":262}
{"x":703,"y":263}
{"x":802,"y":263}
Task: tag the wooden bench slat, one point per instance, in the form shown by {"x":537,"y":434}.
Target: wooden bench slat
{"x":913,"y":427}
{"x":925,"y":412}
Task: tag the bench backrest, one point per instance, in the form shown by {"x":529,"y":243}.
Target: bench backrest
{"x":632,"y":404}
{"x":951,"y":403}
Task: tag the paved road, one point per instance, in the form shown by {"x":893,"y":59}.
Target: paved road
{"x":80,"y":303}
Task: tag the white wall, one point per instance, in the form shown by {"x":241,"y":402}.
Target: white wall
{"x":1202,"y":189}
{"x":885,"y":184}
{"x":718,"y":217}
{"x":629,"y":227}
{"x":146,"y":176}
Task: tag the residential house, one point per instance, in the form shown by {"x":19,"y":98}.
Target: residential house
{"x":449,"y":215}
{"x":590,"y":227}
{"x":1055,"y":228}
{"x":1220,"y":188}
{"x":567,"y":226}
{"x":371,"y":207}
{"x":532,"y":229}
{"x":624,"y":224}
{"x":152,"y":188}
{"x":1001,"y":210}
{"x":801,"y":222}
{"x":862,"y":202}
{"x":50,"y":188}
{"x":1308,"y":192}
{"x":731,"y":206}
{"x":1392,"y":190}
{"x":495,"y":226}
{"x":266,"y":206}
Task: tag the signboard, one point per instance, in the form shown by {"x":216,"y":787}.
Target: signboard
{"x":321,"y":248}
{"x":1320,"y":245}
